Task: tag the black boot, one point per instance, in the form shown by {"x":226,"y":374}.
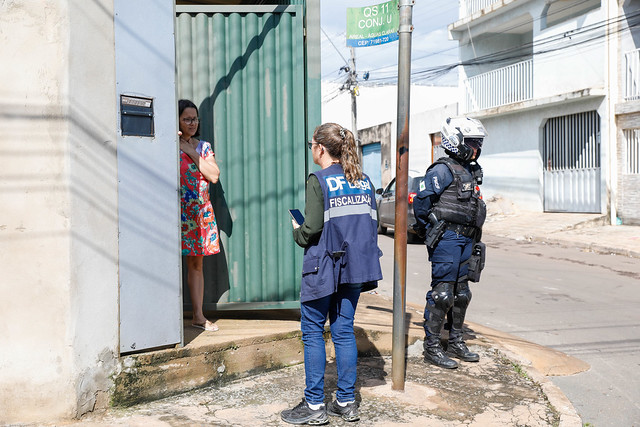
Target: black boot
{"x":434,"y":354}
{"x":459,"y":350}
{"x":439,"y":301}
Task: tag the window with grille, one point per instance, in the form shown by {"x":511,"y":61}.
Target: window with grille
{"x":632,"y":150}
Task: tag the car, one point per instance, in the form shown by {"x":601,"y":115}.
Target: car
{"x":386,"y":204}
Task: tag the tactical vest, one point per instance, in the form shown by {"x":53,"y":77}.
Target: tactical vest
{"x":347,"y":251}
{"x":460,"y":203}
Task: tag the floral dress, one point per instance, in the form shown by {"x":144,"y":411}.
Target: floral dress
{"x":199,"y":229}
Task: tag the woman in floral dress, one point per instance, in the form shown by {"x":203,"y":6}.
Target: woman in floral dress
{"x":200,"y":237}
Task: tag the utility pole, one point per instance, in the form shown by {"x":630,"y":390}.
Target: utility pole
{"x":351,"y":84}
{"x":353,"y":88}
{"x":398,"y":349}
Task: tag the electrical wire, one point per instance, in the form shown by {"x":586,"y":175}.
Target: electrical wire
{"x":507,"y":29}
{"x":334,"y":46}
{"x":515,"y":53}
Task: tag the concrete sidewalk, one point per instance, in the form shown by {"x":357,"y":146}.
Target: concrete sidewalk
{"x":251,"y":369}
{"x":505,"y":388}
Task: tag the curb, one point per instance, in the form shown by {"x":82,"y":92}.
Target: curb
{"x":150,"y":376}
{"x":568,"y":415}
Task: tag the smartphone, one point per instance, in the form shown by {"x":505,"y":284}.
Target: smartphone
{"x":297,"y":216}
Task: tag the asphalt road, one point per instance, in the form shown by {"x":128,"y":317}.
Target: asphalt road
{"x":581,"y":303}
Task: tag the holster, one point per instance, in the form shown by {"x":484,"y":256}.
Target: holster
{"x":435,"y":234}
{"x":476,"y":262}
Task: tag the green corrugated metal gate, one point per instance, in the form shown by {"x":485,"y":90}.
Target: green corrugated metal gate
{"x":244,"y":66}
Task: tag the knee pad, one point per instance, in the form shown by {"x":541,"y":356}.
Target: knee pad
{"x":442,"y":294}
{"x":463,"y":294}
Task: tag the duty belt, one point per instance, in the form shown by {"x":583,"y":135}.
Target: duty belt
{"x":463,"y":230}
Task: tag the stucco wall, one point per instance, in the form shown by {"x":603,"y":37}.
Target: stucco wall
{"x":566,"y":70}
{"x":58,"y":229}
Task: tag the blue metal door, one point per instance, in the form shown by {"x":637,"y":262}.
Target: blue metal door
{"x":372,"y":163}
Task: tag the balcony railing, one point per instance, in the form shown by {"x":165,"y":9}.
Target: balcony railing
{"x":469,"y":7}
{"x":632,"y":75}
{"x":506,"y":85}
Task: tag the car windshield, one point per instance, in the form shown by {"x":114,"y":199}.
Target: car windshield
{"x":412,"y":185}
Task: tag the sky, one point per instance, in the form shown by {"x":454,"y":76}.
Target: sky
{"x":430,"y":44}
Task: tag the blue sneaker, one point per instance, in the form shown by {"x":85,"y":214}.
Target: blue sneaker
{"x":303,"y":414}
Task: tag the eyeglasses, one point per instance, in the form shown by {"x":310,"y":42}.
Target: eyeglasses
{"x":310,"y":144}
{"x":190,"y":121}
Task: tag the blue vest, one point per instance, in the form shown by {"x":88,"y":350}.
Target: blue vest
{"x":347,"y":251}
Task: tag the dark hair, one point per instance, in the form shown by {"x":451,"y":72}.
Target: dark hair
{"x":183,"y":104}
{"x":341,"y":145}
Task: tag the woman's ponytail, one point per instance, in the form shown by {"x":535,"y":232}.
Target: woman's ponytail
{"x":341,"y":145}
{"x":349,"y":158}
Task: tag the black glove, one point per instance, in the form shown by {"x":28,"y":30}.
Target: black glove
{"x":420,"y":231}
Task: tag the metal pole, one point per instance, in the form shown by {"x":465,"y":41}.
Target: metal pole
{"x":354,"y":108}
{"x":398,"y":348}
{"x":612,"y":90}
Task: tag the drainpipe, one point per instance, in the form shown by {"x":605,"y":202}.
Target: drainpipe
{"x":612,"y":97}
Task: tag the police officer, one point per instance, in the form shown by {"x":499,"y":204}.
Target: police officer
{"x":450,"y":213}
{"x":341,"y":260}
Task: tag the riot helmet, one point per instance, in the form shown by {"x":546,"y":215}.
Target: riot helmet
{"x":461,"y":135}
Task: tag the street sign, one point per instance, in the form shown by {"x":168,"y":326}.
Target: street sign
{"x":372,"y":25}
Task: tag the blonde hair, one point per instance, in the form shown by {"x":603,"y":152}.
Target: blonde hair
{"x":340,"y":144}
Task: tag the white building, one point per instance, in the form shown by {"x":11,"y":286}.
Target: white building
{"x":556,"y":85}
{"x":377,"y":111}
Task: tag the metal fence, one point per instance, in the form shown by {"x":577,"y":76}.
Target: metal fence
{"x":632,"y":75}
{"x":632,"y":151}
{"x":513,"y":83}
{"x":244,"y":67}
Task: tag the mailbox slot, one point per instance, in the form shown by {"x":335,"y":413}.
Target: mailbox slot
{"x":136,"y":116}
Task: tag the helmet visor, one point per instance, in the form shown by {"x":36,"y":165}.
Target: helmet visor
{"x":473,"y":142}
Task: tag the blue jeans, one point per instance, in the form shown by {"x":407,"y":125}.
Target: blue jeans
{"x":340,"y":307}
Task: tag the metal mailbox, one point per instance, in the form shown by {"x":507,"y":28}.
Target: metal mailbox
{"x":136,"y":116}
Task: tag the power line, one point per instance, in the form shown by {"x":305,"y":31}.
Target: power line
{"x":519,"y":25}
{"x":334,"y":46}
{"x":515,"y":53}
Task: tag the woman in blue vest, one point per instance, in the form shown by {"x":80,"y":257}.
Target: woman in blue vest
{"x":341,"y":259}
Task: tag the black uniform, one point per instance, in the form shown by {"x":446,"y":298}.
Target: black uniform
{"x":450,"y":211}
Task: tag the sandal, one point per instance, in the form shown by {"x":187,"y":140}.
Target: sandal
{"x":207,"y":326}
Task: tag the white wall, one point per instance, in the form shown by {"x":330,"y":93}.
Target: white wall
{"x":555,"y":72}
{"x":423,"y":125}
{"x":511,"y":156}
{"x":58,"y":228}
{"x":379,"y":104}
{"x":567,"y":70}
